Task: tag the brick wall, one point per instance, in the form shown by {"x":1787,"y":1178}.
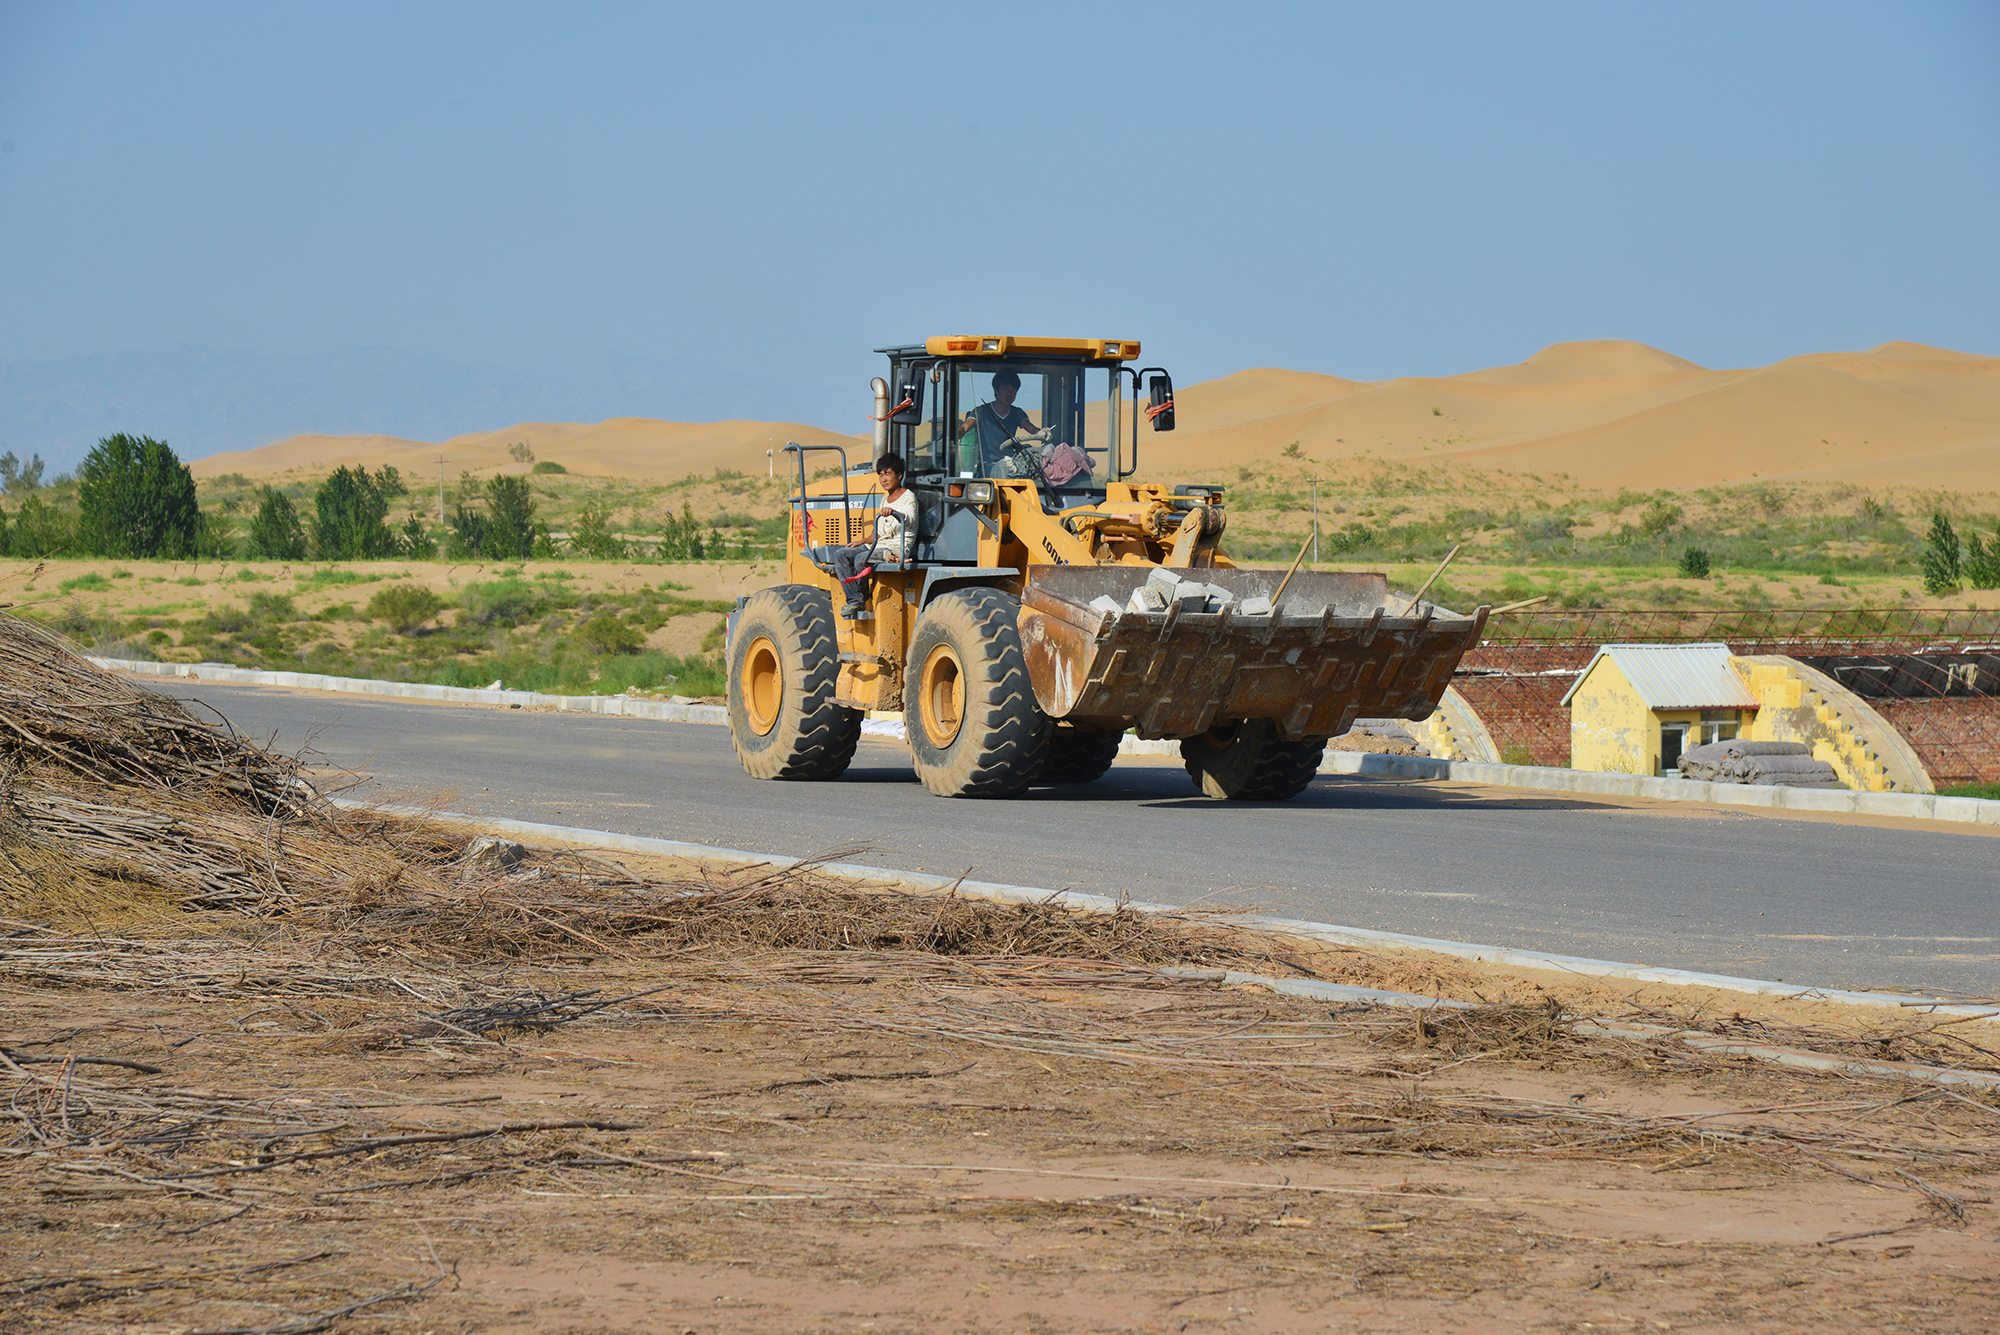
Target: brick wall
{"x":1522,"y":711}
{"x":1957,"y":737}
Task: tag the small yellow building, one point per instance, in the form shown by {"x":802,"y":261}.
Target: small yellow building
{"x":1638,"y":706}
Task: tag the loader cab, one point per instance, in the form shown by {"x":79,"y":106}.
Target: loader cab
{"x":1047,"y":410}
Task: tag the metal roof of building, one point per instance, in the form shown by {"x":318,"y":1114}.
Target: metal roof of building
{"x":1675,"y":676}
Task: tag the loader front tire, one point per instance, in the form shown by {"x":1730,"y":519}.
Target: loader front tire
{"x":970,"y":712}
{"x":783,"y":659}
{"x":1250,"y":762}
{"x":1079,"y":756}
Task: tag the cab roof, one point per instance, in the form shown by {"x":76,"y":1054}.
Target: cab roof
{"x":1008,"y":345}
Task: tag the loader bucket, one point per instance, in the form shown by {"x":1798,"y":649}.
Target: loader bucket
{"x":1332,"y":652}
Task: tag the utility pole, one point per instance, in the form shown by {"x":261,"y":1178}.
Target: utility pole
{"x":440,"y":489}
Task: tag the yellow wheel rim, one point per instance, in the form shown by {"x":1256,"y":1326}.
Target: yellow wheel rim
{"x":761,"y":682}
{"x":941,"y":696}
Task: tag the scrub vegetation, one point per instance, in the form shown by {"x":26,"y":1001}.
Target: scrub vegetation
{"x":1761,"y":545}
{"x":542,"y":628}
{"x":547,"y":579}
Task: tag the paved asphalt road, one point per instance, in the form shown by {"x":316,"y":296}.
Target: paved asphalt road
{"x":1812,"y":901}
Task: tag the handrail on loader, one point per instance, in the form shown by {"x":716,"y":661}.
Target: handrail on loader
{"x":799,"y":496}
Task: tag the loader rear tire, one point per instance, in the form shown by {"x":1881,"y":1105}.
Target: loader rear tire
{"x":1250,"y":762}
{"x":970,"y":712}
{"x":783,"y":659}
{"x":1079,"y":756}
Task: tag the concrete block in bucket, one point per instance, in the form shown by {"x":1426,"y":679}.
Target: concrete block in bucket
{"x":1104,"y":602}
{"x":1148,"y":597}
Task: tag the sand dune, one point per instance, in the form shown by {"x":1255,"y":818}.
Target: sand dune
{"x":1608,"y":414}
{"x":1612,"y":414}
{"x":623,"y":447}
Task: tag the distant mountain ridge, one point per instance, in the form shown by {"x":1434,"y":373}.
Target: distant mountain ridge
{"x":204,"y":401}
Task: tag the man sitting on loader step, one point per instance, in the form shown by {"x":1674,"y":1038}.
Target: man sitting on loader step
{"x":895,"y":528}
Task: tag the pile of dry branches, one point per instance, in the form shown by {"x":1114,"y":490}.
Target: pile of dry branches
{"x":114,"y":794}
{"x":561,"y":902}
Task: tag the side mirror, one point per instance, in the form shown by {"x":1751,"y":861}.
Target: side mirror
{"x":1160,"y":392}
{"x":909,"y":389}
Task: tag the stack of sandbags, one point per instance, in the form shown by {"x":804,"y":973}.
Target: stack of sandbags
{"x":1779,"y":764}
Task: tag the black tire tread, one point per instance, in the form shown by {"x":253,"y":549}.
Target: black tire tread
{"x":817,"y":742}
{"x":1004,"y":738}
{"x":1279,"y":771}
{"x":1079,"y":756}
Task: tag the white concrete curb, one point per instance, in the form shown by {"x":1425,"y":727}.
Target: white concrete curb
{"x":1914,"y":806}
{"x":1911,"y":806}
{"x":621,"y":705}
{"x":1318,"y":931}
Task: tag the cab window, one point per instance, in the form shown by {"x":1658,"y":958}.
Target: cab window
{"x":1011,"y":419}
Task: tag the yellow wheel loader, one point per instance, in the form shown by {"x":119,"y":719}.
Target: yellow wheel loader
{"x":1044,"y":603}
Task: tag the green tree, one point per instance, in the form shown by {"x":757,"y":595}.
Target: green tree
{"x":1694,"y":563}
{"x":1982,"y":562}
{"x":416,"y":540}
{"x":1941,"y":565}
{"x":680,"y":538}
{"x":467,"y":540}
{"x":136,"y":498}
{"x":510,"y":518}
{"x":276,"y":533}
{"x":351,"y":523}
{"x":591,"y":535}
{"x":20,"y":477}
{"x":40,"y":530}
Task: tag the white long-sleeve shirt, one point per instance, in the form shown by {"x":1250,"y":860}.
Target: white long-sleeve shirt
{"x":895,"y":528}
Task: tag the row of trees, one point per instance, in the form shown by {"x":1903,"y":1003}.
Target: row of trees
{"x":135,"y":498}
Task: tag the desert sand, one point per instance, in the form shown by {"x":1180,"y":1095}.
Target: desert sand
{"x":1607,"y":414}
{"x":622,"y":447}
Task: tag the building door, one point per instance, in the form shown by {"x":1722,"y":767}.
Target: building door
{"x":1673,"y":740}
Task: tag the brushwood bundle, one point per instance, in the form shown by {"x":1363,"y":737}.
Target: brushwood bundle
{"x":113,"y":793}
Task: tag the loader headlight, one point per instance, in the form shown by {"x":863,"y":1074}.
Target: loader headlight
{"x":972,"y":493}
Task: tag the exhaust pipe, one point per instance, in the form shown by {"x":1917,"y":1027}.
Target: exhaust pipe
{"x":881,"y":388}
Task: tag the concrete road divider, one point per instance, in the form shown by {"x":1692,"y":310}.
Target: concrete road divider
{"x":622,"y":706}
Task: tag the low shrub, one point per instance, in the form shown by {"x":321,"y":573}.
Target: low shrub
{"x":606,"y":634}
{"x":404,"y":606}
{"x":503,"y":602}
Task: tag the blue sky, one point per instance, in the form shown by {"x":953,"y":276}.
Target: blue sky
{"x":740,"y":201}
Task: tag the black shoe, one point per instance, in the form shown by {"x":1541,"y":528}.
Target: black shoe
{"x":853,"y":611}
